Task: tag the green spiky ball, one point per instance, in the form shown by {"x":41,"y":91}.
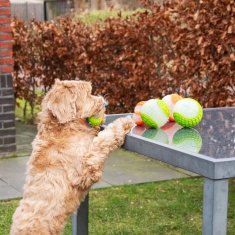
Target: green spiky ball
{"x":155,"y":113}
{"x":188,"y":112}
{"x":95,"y":121}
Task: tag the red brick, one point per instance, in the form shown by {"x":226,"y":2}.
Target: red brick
{"x":6,"y":12}
{"x":5,"y":37}
{"x":6,"y":61}
{"x":6,"y":69}
{"x":5,"y":20}
{"x":5,"y":29}
{"x":6,"y":45}
{"x":5,"y":4}
{"x":6,"y":53}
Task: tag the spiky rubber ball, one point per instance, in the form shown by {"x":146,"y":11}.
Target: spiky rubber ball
{"x":95,"y":121}
{"x":188,"y":112}
{"x":155,"y":113}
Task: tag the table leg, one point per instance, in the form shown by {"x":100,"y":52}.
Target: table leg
{"x":215,"y":204}
{"x":80,"y":219}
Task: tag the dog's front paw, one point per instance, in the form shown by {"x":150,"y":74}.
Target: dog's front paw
{"x":124,"y":124}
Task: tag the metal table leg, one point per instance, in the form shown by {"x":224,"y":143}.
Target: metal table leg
{"x":80,"y":219}
{"x":215,"y":204}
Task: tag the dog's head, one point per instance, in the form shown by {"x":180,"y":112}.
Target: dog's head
{"x":71,"y":100}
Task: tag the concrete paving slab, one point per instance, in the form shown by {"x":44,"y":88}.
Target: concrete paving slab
{"x":16,"y":183}
{"x":12,"y":171}
{"x":124,"y":167}
{"x":8,"y":192}
{"x":24,"y":137}
{"x":13,"y":167}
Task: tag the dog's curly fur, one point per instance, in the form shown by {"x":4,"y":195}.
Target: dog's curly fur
{"x":67,"y":158}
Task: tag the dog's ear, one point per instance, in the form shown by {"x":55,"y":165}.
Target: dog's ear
{"x":61,"y":101}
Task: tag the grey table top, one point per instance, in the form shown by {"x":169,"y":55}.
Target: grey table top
{"x":207,"y":149}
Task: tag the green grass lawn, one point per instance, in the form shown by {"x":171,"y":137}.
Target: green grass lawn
{"x":100,"y":15}
{"x":167,"y":207}
{"x":19,"y":107}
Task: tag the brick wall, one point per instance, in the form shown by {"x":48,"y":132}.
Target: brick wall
{"x":7,"y":114}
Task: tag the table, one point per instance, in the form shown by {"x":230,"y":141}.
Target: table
{"x":207,"y":150}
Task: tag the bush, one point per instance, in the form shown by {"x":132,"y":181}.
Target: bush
{"x":186,"y":47}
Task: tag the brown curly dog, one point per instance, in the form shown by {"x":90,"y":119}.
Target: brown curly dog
{"x":67,"y":159}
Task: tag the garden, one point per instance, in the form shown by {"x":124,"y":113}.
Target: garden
{"x":184,"y":47}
